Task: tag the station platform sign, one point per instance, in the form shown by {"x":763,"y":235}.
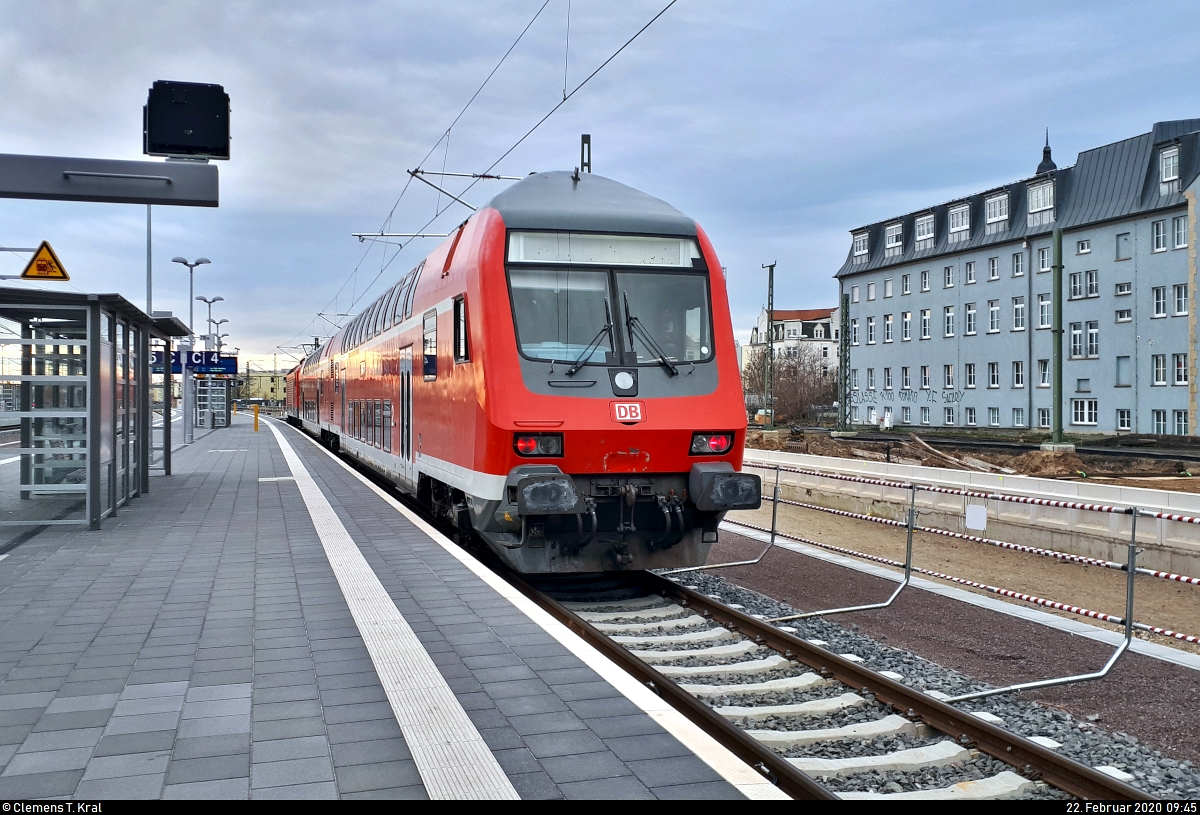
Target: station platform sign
{"x":198,"y":362}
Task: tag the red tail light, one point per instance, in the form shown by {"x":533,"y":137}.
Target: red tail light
{"x":711,"y":444}
{"x":538,"y":444}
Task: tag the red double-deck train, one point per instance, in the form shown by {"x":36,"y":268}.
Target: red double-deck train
{"x":558,"y":376}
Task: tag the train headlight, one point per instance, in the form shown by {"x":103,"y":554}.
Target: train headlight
{"x":538,"y":444}
{"x":711,"y":444}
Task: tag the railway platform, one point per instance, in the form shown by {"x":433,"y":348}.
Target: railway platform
{"x":265,"y":623}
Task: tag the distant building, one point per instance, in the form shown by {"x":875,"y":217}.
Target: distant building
{"x":266,"y":386}
{"x":794,"y":329}
{"x":950,"y":306}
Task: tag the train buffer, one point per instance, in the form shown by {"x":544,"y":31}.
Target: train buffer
{"x":264,"y":623}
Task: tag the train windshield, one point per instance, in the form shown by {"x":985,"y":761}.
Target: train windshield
{"x":672,"y":309}
{"x":561,"y":313}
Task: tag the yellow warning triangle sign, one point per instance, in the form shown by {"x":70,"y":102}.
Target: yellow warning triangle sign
{"x":45,"y":266}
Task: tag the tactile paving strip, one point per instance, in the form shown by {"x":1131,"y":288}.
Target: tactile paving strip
{"x":451,"y":756}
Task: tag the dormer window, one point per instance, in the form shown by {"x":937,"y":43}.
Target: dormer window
{"x":860,"y":246}
{"x":924,"y":232}
{"x":1041,"y":203}
{"x":1170,"y":164}
{"x":894,"y":239}
{"x":960,"y":222}
{"x":997,"y":208}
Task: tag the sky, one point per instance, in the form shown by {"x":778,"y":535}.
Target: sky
{"x":778,"y":126}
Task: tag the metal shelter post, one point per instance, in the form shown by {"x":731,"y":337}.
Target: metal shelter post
{"x":95,"y":509}
{"x":1131,"y":571}
{"x":912,"y":522}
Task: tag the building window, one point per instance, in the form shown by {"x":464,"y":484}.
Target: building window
{"x":870,"y":331}
{"x":924,"y":323}
{"x":1018,"y":417}
{"x":870,"y":379}
{"x":948,"y":277}
{"x":854,"y":332}
{"x":906,"y":326}
{"x":925,"y":280}
{"x":948,"y":377}
{"x":1043,"y":373}
{"x":1169,"y":164}
{"x":993,"y":374}
{"x":1083,"y":247}
{"x":1123,"y":246}
{"x":819,"y":332}
{"x":1181,"y":299}
{"x":1181,"y":369}
{"x":924,"y":415}
{"x":948,"y":320}
{"x":949,"y":417}
{"x":870,"y":291}
{"x":854,"y":294}
{"x":906,"y":415}
{"x":887,"y":379}
{"x":1124,"y":370}
{"x":996,"y":208}
{"x":970,"y":318}
{"x":1123,"y":288}
{"x":1018,"y":264}
{"x":1041,"y":197}
{"x":887,"y":328}
{"x":969,"y":416}
{"x":854,"y":414}
{"x":1091,"y":282}
{"x":854,"y":379}
{"x":1124,"y":315}
{"x":1158,"y":232}
{"x":1160,"y":422}
{"x":860,"y":245}
{"x":887,"y":288}
{"x":993,"y":268}
{"x":1159,"y":364}
{"x":1044,"y":259}
{"x":1018,"y":368}
{"x":994,"y":416}
{"x":924,"y":377}
{"x":1085,"y":411}
{"x":1043,"y":311}
{"x":894,"y":239}
{"x":1018,"y":314}
{"x":1076,"y":340}
{"x":1124,"y":419}
{"x":1180,"y":230}
{"x":960,"y":221}
{"x":1160,"y":301}
{"x":1093,"y":339}
{"x":1181,"y":423}
{"x":924,"y":228}
{"x":970,"y":374}
{"x":993,"y":316}
{"x":1043,"y":417}
{"x":1075,"y":281}
{"x":905,"y":379}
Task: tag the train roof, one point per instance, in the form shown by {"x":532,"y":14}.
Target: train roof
{"x":593,"y":203}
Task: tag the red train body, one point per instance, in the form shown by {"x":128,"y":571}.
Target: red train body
{"x":559,"y":376}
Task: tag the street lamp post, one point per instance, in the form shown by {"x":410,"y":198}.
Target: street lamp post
{"x":188,"y":395}
{"x":210,"y":305}
{"x":191,"y":288}
{"x":216,"y":330}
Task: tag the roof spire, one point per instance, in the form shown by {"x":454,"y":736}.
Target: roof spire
{"x":1047,"y":163}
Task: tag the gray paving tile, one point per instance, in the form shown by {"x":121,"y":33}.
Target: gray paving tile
{"x":288,"y":749}
{"x":17,"y":701}
{"x":589,"y":709}
{"x":72,"y":704}
{"x":341,"y":714}
{"x":652,"y":745}
{"x":61,"y":739}
{"x":571,"y":742}
{"x":583,"y":767}
{"x":207,"y":746}
{"x":208,"y":709}
{"x":363,"y":777}
{"x":368,"y":752}
{"x":135,"y":743}
{"x":545,"y":723}
{"x":500,"y":738}
{"x":586,"y":690}
{"x":524,"y":705}
{"x":535,"y":786}
{"x":290,"y":772}
{"x":215,"y":726}
{"x":363,"y":731}
{"x":703,"y":791}
{"x":208,"y":768}
{"x":286,"y":710}
{"x":626,"y":788}
{"x":517,"y":760}
{"x":39,"y":785}
{"x":137,"y":787}
{"x":229,"y":789}
{"x":415,"y":792}
{"x":611,"y":727}
{"x":661,"y":772}
{"x":76,"y":720}
{"x":153,"y":763}
{"x":154,"y":689}
{"x":48,"y":761}
{"x":145,"y":723}
{"x":241,"y":690}
{"x":324,"y":790}
{"x":292,"y":728}
{"x":152,"y":704}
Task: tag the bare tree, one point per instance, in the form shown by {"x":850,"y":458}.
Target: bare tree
{"x":801,"y":382}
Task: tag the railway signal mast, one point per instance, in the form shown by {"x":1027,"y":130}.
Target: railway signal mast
{"x":769,"y":376}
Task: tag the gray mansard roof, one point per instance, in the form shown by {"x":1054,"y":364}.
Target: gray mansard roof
{"x":1114,"y":181}
{"x":555,"y":200}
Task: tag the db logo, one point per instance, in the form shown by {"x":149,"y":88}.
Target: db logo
{"x":628,"y":412}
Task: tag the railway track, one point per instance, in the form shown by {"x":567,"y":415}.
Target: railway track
{"x":812,"y":721}
{"x":798,"y":713}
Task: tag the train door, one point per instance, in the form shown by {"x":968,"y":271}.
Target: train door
{"x":342,"y":382}
{"x":408,"y":467}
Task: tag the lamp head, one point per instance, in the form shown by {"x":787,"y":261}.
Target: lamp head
{"x":202,"y":261}
{"x":178,"y":259}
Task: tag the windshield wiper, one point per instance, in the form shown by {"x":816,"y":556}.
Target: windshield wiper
{"x":633,"y":324}
{"x":595,"y":343}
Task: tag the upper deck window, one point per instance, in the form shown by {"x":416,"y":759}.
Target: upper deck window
{"x":607,"y":250}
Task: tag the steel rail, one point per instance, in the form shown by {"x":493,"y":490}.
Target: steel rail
{"x":773,"y":766}
{"x":1059,"y":771}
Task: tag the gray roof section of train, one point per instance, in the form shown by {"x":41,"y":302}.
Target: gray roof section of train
{"x":556,"y":201}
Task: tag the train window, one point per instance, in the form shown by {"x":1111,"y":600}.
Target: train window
{"x":370,"y":422}
{"x":412,"y":289}
{"x":373,"y":319}
{"x":430,"y":346}
{"x":460,"y":330}
{"x":389,"y":309}
{"x":561,"y":313}
{"x":673,"y":308}
{"x":378,"y":411}
{"x":402,"y":298}
{"x":387,"y":425}
{"x":610,"y":250}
